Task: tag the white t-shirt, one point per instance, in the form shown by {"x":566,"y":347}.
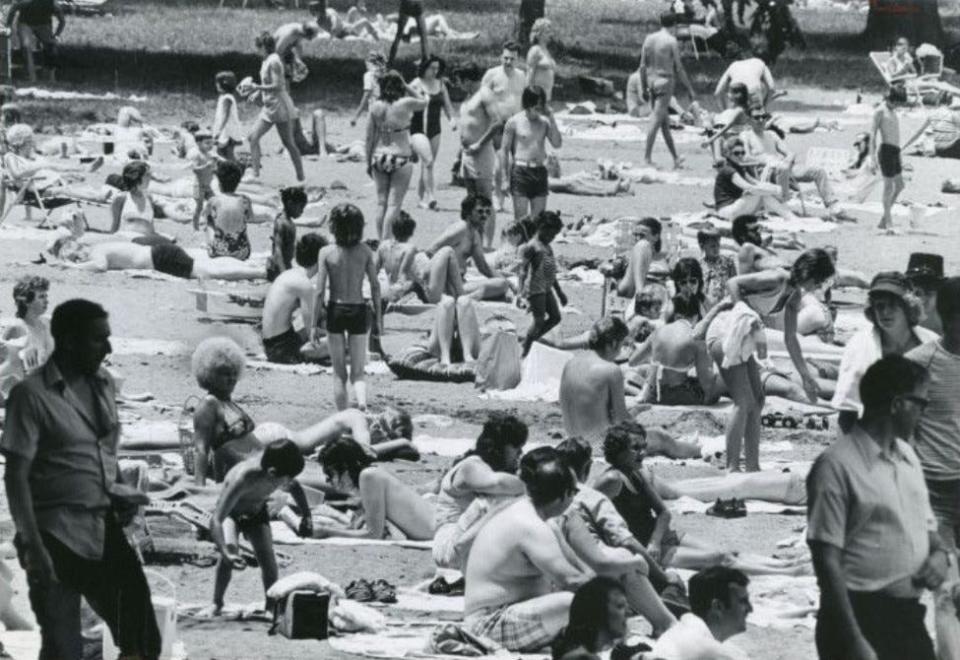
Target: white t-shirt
{"x":371,"y":84}
{"x":690,"y":639}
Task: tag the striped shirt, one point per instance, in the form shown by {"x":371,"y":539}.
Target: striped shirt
{"x":937,"y":436}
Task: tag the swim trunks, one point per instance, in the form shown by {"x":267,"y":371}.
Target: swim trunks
{"x":529,"y":181}
{"x":687,"y":393}
{"x":349,"y":318}
{"x":412,"y":8}
{"x":661,"y":86}
{"x":390,"y":163}
{"x":247,"y":522}
{"x":889,"y":161}
{"x":479,"y":166}
{"x":171,"y":259}
{"x":283,"y":348}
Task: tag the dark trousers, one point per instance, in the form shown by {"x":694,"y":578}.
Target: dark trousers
{"x":530,"y":11}
{"x":893,"y":627}
{"x":114,"y":586}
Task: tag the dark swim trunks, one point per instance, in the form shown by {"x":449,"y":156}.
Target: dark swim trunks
{"x":251,"y":521}
{"x":349,"y":318}
{"x":171,"y":259}
{"x":529,"y":181}
{"x":412,"y":8}
{"x":283,"y":348}
{"x":889,"y":161}
{"x":687,"y":393}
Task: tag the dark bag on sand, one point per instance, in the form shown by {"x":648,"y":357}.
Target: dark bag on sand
{"x":301,"y":615}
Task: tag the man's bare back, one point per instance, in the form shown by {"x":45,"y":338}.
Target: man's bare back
{"x":392,"y":255}
{"x":252,"y":483}
{"x":659,"y":54}
{"x":498,"y":572}
{"x":285,"y":294}
{"x":587,"y":389}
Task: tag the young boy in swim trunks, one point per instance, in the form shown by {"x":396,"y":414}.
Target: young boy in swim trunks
{"x":539,"y":274}
{"x":242,"y":509}
{"x":203,"y":162}
{"x":348,"y":315}
{"x":886,"y":123}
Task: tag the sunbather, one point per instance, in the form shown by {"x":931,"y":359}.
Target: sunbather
{"x":737,"y":192}
{"x":385,"y":435}
{"x":384,"y":499}
{"x":489,"y":472}
{"x":637,"y":496}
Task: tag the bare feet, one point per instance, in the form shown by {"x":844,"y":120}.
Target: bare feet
{"x":678,"y":163}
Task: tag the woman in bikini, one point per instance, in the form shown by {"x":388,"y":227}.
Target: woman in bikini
{"x":390,"y":156}
{"x":278,"y":108}
{"x":766,"y":294}
{"x":646,"y":249}
{"x":541,"y":67}
{"x":134,"y":210}
{"x":222,"y":430}
{"x":425,"y":125}
{"x":227,"y":215}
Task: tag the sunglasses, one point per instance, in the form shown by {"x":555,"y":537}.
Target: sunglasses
{"x":738,"y":152}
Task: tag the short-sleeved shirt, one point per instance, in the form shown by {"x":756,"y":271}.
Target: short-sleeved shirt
{"x":37,"y":13}
{"x":597,"y":512}
{"x":873,"y":504}
{"x":73,"y":454}
{"x":945,"y":124}
{"x":282,"y":244}
{"x":725,"y":191}
{"x":716,"y":273}
{"x":937,"y":435}
{"x":691,"y":639}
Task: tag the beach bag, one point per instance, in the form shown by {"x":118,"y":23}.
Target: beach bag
{"x":498,"y":367}
{"x":301,"y":615}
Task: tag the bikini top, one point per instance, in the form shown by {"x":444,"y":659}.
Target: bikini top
{"x":768,"y":303}
{"x":132,"y":211}
{"x":241,"y":426}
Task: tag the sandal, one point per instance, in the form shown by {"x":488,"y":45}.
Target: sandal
{"x":731,"y":508}
{"x":383,"y":592}
{"x":360,"y":591}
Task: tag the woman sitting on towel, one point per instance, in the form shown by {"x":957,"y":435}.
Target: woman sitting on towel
{"x":737,"y":334}
{"x":227,"y":215}
{"x":598,"y":621}
{"x":485,"y":474}
{"x":27,"y":341}
{"x":222,"y":430}
{"x":385,"y":500}
{"x":737,"y":192}
{"x":638,"y":497}
{"x":134,"y":210}
{"x":894,"y":313}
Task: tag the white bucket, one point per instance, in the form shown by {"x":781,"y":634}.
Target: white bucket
{"x":165,"y":609}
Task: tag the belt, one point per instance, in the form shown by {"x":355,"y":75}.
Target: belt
{"x":527,"y":163}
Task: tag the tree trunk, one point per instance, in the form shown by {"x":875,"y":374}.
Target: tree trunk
{"x":917,"y":20}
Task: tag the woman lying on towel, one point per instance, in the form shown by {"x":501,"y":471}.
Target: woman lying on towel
{"x":638,"y":497}
{"x":384,"y":499}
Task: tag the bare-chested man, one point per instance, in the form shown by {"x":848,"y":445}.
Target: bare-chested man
{"x":242,"y":509}
{"x":660,"y":66}
{"x":885,"y":133}
{"x":165,"y":258}
{"x":592,"y":395}
{"x":292,"y":289}
{"x":524,"y":155}
{"x":754,"y":255}
{"x":507,"y":83}
{"x":479,"y":125}
{"x":464,"y":239}
{"x":519,"y":573}
{"x":752,"y":72}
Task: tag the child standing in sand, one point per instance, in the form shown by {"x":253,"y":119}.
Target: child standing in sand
{"x":538,"y":277}
{"x":226,"y":123}
{"x":242,"y":509}
{"x":886,"y":123}
{"x":204,"y":163}
{"x":347,"y":314}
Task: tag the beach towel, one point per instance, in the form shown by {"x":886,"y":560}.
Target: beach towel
{"x":539,"y":376}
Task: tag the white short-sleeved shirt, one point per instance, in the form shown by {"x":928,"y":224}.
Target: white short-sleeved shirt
{"x":937,"y":436}
{"x":691,"y":639}
{"x":873,"y":504}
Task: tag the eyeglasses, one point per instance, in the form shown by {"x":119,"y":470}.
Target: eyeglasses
{"x":738,"y":152}
{"x":919,"y":401}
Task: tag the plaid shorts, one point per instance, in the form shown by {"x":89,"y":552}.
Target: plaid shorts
{"x":518,"y":627}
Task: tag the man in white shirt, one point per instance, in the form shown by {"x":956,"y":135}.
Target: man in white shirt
{"x":719,"y":605}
